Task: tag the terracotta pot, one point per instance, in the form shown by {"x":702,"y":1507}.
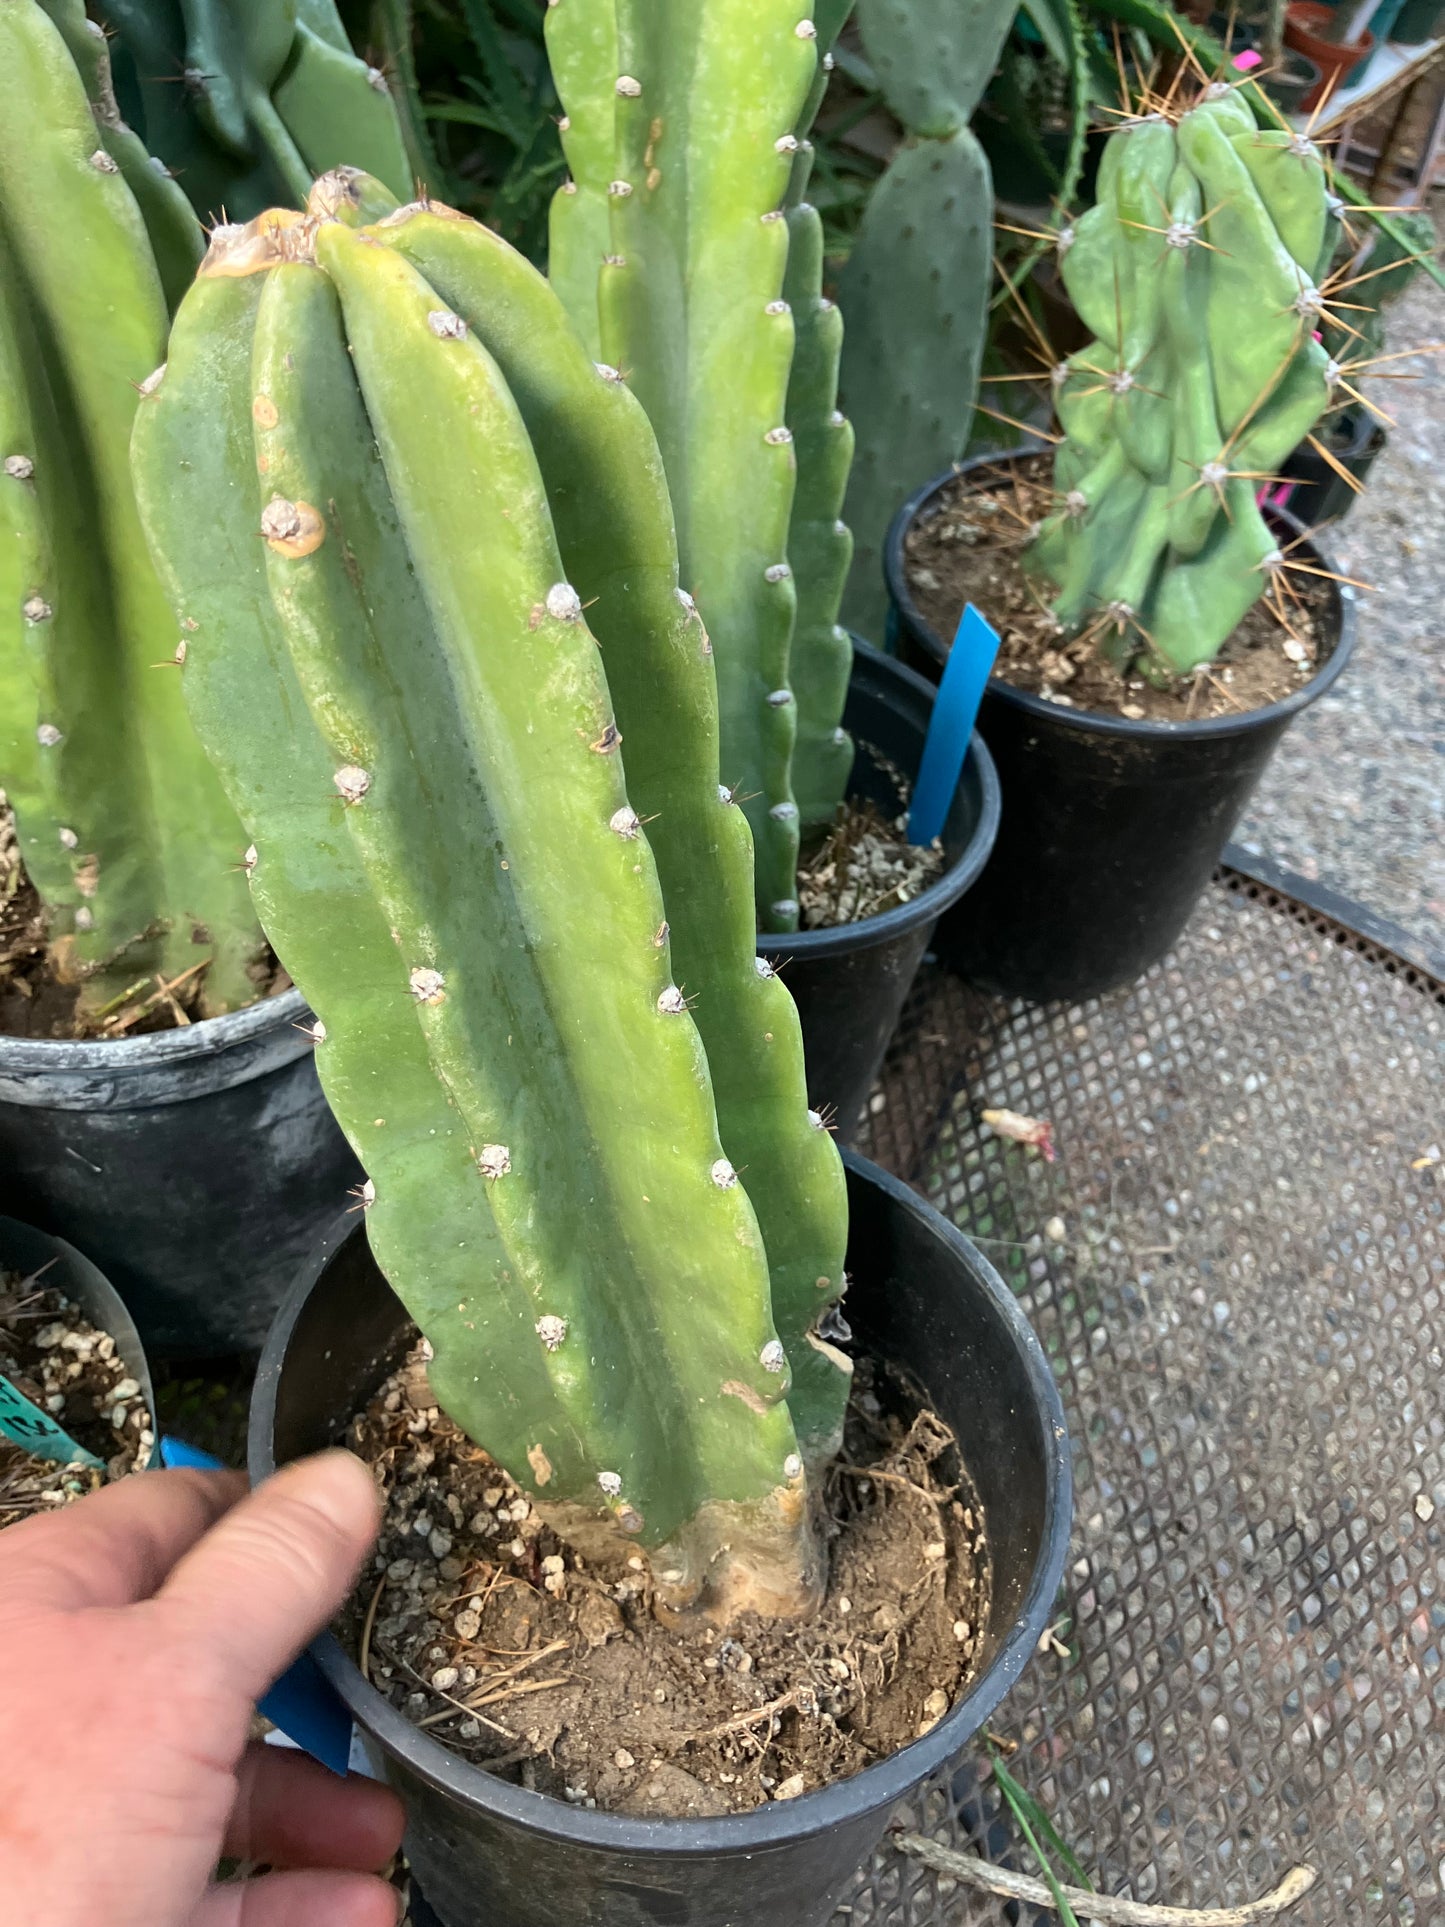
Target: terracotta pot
{"x":1305,"y":22}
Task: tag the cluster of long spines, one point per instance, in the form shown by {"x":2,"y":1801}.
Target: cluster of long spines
{"x":120,"y":816}
{"x":915,"y":304}
{"x":619,"y":551}
{"x":248,"y":100}
{"x":707,"y":97}
{"x":582,"y":52}
{"x":1195,"y":272}
{"x":456,"y":701}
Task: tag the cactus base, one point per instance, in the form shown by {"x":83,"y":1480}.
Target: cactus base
{"x":484,"y":1850}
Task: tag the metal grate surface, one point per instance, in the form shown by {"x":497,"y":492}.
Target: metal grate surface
{"x":1244,"y":1300}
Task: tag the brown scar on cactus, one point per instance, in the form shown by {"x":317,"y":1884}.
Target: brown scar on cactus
{"x":292,"y":529}
{"x":281,"y":234}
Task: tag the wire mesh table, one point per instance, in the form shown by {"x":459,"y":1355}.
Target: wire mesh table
{"x":1237,"y":1266}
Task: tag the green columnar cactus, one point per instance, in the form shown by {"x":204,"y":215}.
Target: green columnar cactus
{"x":391,"y":666}
{"x":620,"y":553}
{"x":915,"y":289}
{"x":706,"y":97}
{"x":248,"y":100}
{"x":123,"y":826}
{"x":1196,"y":272}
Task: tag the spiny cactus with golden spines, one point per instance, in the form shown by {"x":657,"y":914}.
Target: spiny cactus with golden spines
{"x":1198,"y":271}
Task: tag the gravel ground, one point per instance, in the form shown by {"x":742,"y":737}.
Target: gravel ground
{"x":1355,"y":797}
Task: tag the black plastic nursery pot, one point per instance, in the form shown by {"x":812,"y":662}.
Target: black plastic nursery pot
{"x":849,"y":983}
{"x":1320,"y":493}
{"x":490,"y":1854}
{"x":26,"y":1253}
{"x":196,"y":1167}
{"x":1111,"y":828}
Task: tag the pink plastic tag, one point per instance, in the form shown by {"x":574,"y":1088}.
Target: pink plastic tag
{"x":1247,"y":61}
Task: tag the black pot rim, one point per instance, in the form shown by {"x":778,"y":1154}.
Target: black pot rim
{"x":131,"y":1056}
{"x":25,"y":1249}
{"x":776,"y":1823}
{"x":807,"y":946}
{"x":1090,"y":722}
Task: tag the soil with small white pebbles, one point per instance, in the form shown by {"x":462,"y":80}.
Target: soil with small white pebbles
{"x":970,"y":549}
{"x":497,"y":1638}
{"x":53,"y":1355}
{"x":864,"y":866}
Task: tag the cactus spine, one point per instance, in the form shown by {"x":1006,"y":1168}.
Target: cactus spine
{"x":124,"y":829}
{"x":915,"y":288}
{"x":1195,"y":271}
{"x":248,"y":100}
{"x":416,"y":723}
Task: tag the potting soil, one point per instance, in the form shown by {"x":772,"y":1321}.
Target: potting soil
{"x":57,"y":1359}
{"x":864,"y":866}
{"x":971,"y":550}
{"x":499,"y":1640}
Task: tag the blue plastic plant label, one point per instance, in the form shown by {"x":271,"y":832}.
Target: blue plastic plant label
{"x":955,"y":709}
{"x":25,"y":1424}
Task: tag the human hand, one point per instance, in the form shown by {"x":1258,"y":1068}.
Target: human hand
{"x":137,"y":1628}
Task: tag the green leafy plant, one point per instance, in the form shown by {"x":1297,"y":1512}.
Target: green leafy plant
{"x":445,"y":669}
{"x":479,"y":110}
{"x":124,"y":829}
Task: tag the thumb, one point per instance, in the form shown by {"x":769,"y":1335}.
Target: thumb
{"x":270,"y":1575}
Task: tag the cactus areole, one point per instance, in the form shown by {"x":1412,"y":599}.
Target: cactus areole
{"x":1198,"y":270}
{"x":422,"y":549}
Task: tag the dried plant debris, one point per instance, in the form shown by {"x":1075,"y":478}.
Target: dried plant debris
{"x":969,"y":548}
{"x":53,"y":1354}
{"x":36,"y":1002}
{"x":866,"y":865}
{"x":498,"y":1639}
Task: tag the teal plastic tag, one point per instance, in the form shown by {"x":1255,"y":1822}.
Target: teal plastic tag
{"x":25,"y":1424}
